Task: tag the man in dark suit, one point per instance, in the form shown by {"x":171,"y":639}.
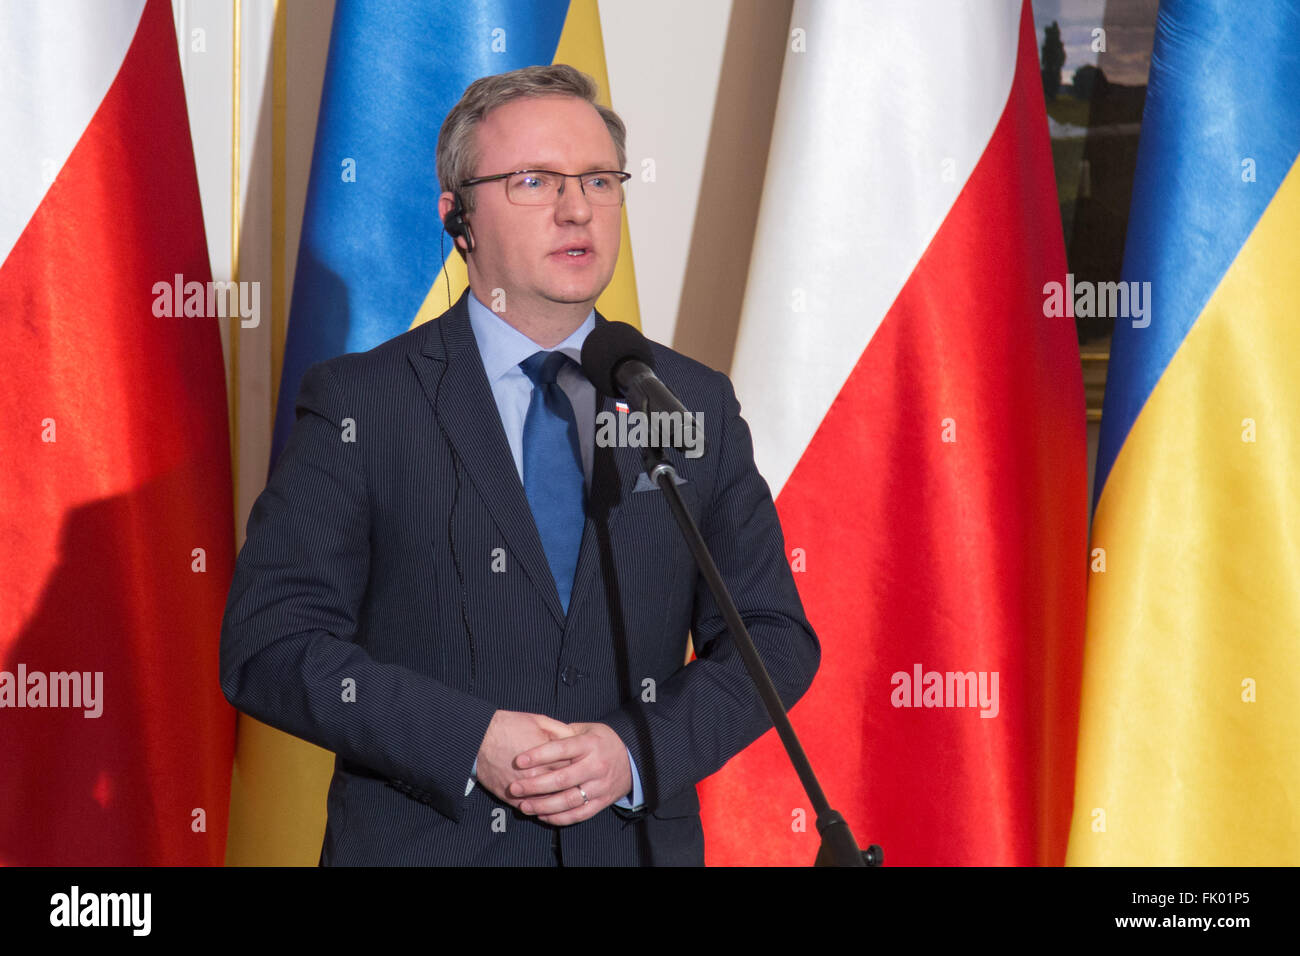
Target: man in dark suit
{"x":480,"y":608}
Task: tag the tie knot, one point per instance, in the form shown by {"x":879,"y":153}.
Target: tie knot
{"x":543,"y":368}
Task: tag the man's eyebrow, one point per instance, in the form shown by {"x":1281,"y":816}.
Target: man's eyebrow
{"x":591,"y":168}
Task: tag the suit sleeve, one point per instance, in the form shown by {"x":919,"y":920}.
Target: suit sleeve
{"x":710,"y":710}
{"x":289,"y":655}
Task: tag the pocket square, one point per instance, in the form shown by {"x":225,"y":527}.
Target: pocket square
{"x":643,"y":483}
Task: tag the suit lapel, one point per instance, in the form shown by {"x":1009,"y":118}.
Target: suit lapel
{"x":453,"y":380}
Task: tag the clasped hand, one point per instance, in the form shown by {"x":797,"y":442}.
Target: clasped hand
{"x":543,"y":767}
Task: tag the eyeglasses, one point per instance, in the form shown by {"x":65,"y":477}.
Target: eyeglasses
{"x":541,"y":187}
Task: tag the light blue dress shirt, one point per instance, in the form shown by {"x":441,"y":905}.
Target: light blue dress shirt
{"x":502,"y":348}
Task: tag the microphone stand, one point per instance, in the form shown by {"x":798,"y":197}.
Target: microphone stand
{"x":838,"y":847}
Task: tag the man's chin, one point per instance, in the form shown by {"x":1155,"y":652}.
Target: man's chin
{"x":569,"y":295}
{"x":576,"y":289}
{"x":574,"y":299}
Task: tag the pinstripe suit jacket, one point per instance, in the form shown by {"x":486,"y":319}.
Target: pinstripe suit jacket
{"x":393,"y":593}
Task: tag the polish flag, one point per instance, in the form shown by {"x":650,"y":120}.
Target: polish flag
{"x":921,"y":424}
{"x":116,"y":528}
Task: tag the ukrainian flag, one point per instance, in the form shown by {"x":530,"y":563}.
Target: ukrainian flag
{"x":370,"y":266}
{"x":1191,"y":700}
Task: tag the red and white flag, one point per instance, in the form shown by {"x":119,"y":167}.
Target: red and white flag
{"x":925,"y":445}
{"x":115,"y":502}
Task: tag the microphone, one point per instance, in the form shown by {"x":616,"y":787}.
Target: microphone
{"x":618,"y":361}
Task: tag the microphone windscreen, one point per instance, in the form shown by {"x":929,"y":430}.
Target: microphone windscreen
{"x":606,"y":347}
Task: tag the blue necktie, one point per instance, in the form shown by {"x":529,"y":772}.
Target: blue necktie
{"x":553,"y":479}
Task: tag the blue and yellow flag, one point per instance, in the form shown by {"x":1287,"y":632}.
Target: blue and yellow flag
{"x":370,"y":266}
{"x":1191,"y":695}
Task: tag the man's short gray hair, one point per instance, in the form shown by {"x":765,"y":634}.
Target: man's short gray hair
{"x":457,"y":154}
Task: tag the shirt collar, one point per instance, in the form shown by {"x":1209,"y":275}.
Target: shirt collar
{"x":503,"y":347}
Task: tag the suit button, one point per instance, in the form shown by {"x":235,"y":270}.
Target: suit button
{"x":571,"y":675}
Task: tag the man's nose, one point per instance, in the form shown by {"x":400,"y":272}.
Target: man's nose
{"x":572,"y":205}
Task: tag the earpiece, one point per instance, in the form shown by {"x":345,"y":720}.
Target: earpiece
{"x":457,"y":225}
